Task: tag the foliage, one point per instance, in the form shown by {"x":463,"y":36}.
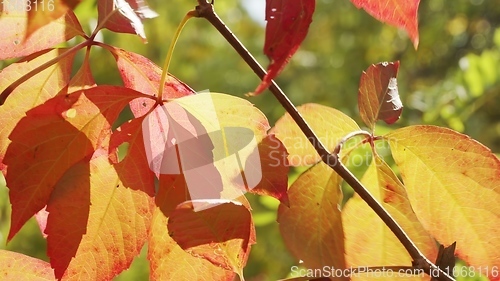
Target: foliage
{"x":102,"y":187}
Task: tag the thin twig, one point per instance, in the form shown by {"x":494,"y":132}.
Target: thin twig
{"x":206,"y":10}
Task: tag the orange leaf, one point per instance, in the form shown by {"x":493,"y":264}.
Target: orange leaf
{"x":141,"y":74}
{"x":96,"y":225}
{"x":32,"y":93}
{"x":400,"y":13}
{"x":222,"y":234}
{"x":15,"y":266}
{"x":52,"y":138}
{"x":453,"y":183}
{"x":82,"y":79}
{"x":168,"y":261}
{"x":329,"y":124}
{"x":368,"y":241}
{"x":312,"y":226}
{"x":15,"y":41}
{"x":124,"y":16}
{"x":274,"y":163}
{"x":41,"y":13}
{"x":287,"y":26}
{"x":378,"y":97}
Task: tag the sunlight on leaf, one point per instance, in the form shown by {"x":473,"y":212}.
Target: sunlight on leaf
{"x":378,"y":97}
{"x":400,"y":13}
{"x":111,"y":236}
{"x":83,"y":78}
{"x":14,"y":25}
{"x":53,"y":137}
{"x":368,"y":241}
{"x":211,"y":139}
{"x":453,"y":183}
{"x":287,"y":26}
{"x":15,"y":266}
{"x":32,"y":93}
{"x":312,"y":227}
{"x":41,"y":13}
{"x":329,"y":124}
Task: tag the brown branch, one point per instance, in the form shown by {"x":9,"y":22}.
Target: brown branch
{"x":206,"y":10}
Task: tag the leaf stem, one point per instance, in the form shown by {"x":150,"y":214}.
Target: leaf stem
{"x":206,"y":10}
{"x":7,"y":91}
{"x":166,"y":64}
{"x":350,"y":136}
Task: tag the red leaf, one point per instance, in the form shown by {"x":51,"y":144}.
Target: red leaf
{"x":52,"y":138}
{"x":400,"y":13}
{"x":378,"y":97}
{"x":141,"y":74}
{"x":274,"y":165}
{"x":287,"y":26}
{"x":222,"y":234}
{"x":133,"y":170}
{"x":124,"y":16}
{"x":14,"y":32}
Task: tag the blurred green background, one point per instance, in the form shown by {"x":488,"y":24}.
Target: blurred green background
{"x":452,"y":80}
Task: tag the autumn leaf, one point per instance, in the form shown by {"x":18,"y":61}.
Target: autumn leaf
{"x":452,"y":181}
{"x":83,"y":78}
{"x":211,"y":139}
{"x":400,"y":13}
{"x":41,"y":13}
{"x":124,"y":16}
{"x":15,"y":41}
{"x":287,"y":26}
{"x":168,"y":261}
{"x":221,"y":234}
{"x":133,"y":169}
{"x":329,"y":124}
{"x":378,"y":97}
{"x":312,"y":227}
{"x":32,"y":93}
{"x":96,"y":224}
{"x":274,"y":166}
{"x":141,"y":74}
{"x":368,"y":241}
{"x":52,"y":138}
{"x":15,"y":266}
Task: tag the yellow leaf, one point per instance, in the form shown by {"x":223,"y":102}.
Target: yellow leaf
{"x":329,"y":124}
{"x":453,"y":183}
{"x":368,"y":240}
{"x":311,"y":227}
